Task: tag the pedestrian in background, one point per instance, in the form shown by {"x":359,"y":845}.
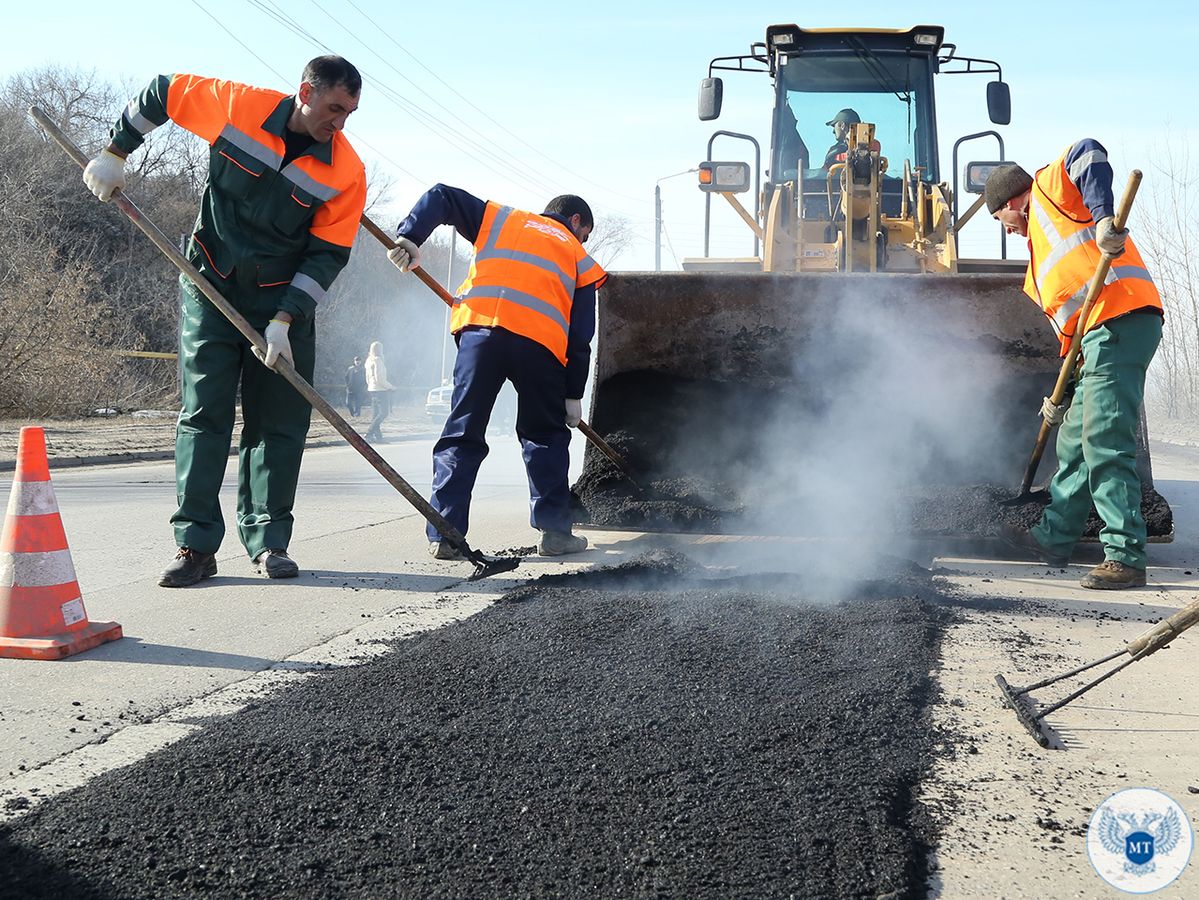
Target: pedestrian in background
{"x":379,"y":389}
{"x":1067,"y":214}
{"x":526,"y":315}
{"x":355,"y":386}
{"x":280,"y":211}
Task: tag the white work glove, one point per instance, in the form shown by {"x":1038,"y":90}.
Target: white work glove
{"x":277,"y":343}
{"x":405,"y":256}
{"x":1052,"y":413}
{"x":574,"y":412}
{"x":1110,"y":240}
{"x":105,"y":174}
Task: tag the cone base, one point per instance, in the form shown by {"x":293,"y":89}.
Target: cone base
{"x":59,"y":646}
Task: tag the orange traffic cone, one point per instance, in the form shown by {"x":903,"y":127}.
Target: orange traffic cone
{"x":41,"y":609}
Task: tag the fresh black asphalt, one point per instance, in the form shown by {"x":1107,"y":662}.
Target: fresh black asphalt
{"x":645,"y":731}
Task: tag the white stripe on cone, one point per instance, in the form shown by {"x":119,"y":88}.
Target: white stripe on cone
{"x":36,"y":569}
{"x":32,"y":498}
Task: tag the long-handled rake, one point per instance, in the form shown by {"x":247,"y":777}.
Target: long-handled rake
{"x":485,"y":566}
{"x":1160,"y":635}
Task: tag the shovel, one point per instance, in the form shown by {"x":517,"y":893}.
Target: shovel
{"x":485,"y":566}
{"x":1071,"y":358}
{"x":1160,"y":635}
{"x":435,"y":286}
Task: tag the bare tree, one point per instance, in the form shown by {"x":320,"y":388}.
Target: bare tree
{"x":611,"y":236}
{"x":1169,"y":236}
{"x":79,"y":282}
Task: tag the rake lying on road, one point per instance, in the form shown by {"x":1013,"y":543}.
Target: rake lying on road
{"x":1148,"y":643}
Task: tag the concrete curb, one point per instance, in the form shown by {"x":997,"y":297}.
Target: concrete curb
{"x":140,"y":456}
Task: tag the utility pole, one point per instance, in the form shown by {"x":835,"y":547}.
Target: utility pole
{"x":658,"y":217}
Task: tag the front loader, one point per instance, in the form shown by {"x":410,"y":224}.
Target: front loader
{"x":856,"y":360}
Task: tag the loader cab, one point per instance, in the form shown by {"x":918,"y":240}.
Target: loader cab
{"x":885,"y":77}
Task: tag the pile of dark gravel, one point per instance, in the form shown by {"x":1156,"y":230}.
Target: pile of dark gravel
{"x":699,"y":450}
{"x":643,"y":731}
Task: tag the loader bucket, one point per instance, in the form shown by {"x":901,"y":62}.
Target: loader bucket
{"x":815,"y":403}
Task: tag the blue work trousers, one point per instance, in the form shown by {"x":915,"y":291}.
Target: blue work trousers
{"x":487,"y":357}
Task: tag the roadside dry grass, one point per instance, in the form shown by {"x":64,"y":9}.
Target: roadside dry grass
{"x":150,"y":434}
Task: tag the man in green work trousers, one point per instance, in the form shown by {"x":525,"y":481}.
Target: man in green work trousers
{"x":280,"y":210}
{"x":1066,"y":212}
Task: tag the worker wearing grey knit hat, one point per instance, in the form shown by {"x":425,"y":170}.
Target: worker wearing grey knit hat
{"x":1067,"y":214}
{"x":1005,"y":183}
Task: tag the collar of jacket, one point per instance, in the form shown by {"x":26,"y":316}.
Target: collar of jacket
{"x":276,"y":122}
{"x":561,"y":220}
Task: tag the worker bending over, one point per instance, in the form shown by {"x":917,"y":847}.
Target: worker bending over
{"x":280,"y":210}
{"x":1066,"y":212}
{"x":525,"y":314}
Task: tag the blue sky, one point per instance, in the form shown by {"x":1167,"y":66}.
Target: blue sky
{"x":517,"y":102}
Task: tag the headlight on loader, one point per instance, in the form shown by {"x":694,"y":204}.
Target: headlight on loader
{"x":728,"y":177}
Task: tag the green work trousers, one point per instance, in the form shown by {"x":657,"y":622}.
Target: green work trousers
{"x":1096,"y":444}
{"x":215,"y":361}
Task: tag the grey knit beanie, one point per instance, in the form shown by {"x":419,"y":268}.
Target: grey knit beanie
{"x":1004,"y":183}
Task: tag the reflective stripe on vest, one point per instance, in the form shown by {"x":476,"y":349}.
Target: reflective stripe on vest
{"x":1064,"y":256}
{"x":523,"y":278}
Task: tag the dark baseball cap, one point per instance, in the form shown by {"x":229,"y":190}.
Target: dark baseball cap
{"x":848,"y":116}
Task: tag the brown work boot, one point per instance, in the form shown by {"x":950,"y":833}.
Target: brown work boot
{"x":1022,"y":541}
{"x":1111,"y":575}
{"x":188,"y":567}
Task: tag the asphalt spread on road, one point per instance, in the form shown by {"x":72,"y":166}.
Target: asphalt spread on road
{"x":652,"y":730}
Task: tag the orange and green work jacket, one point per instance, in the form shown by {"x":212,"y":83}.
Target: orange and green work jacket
{"x":259,"y":225}
{"x":1068,"y":197}
{"x":523,"y":279}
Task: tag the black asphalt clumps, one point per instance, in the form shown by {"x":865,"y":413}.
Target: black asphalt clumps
{"x":697,"y":448}
{"x":637,"y":732}
{"x":979,"y":511}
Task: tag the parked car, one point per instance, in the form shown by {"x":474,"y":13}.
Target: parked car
{"x":437,"y":403}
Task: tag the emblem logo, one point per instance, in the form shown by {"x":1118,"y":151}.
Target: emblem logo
{"x":1139,"y":840}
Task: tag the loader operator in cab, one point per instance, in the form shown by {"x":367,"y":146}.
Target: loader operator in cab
{"x":525,"y":314}
{"x":1066,"y":212}
{"x":840,"y":124}
{"x":280,"y":210}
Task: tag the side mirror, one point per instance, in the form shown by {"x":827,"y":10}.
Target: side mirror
{"x":999,"y":103}
{"x":711,"y":92}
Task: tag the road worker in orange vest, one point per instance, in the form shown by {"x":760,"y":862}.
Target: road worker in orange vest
{"x":525,"y":314}
{"x":1067,"y":214}
{"x":280,"y":210}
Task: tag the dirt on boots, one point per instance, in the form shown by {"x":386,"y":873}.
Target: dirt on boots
{"x":1111,"y":575}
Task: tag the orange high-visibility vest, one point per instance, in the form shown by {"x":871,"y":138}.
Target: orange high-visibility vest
{"x":1064,"y":256}
{"x":523,"y":277}
{"x":215,"y":109}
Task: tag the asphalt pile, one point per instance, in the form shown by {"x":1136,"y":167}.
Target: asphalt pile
{"x":694,"y":478}
{"x":645,"y":731}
